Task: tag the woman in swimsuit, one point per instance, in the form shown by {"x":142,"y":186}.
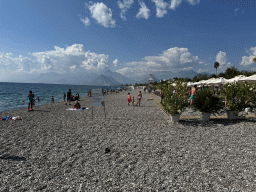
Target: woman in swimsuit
{"x":139,"y":97}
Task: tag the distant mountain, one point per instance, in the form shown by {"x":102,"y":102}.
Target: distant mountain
{"x":118,"y":77}
{"x":77,"y":79}
{"x":104,"y":81}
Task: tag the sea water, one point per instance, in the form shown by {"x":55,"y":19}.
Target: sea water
{"x":15,"y":95}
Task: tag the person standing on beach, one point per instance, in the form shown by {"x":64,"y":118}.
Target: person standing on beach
{"x":52,"y":99}
{"x":139,"y":97}
{"x":129,"y":99}
{"x":69,"y":97}
{"x":193,"y":93}
{"x":30,"y":100}
{"x":64,"y":96}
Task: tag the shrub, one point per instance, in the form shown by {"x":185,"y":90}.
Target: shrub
{"x":237,"y":95}
{"x":175,"y":103}
{"x":206,"y":102}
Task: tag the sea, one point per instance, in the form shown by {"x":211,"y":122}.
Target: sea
{"x":14,"y":95}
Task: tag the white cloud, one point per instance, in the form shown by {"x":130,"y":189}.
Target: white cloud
{"x":86,"y":21}
{"x":173,"y":59}
{"x":124,"y":7}
{"x":202,"y":70}
{"x":72,"y":58}
{"x":176,"y":3}
{"x":161,"y":7}
{"x":221,"y":58}
{"x":115,"y":62}
{"x":11,"y":64}
{"x":248,"y":61}
{"x":95,"y":62}
{"x":102,"y":14}
{"x":73,"y":68}
{"x":144,"y":11}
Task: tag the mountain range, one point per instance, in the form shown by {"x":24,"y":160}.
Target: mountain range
{"x":106,"y":78}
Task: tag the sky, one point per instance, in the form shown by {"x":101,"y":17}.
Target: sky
{"x":131,"y":37}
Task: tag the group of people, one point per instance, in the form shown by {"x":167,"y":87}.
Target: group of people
{"x":131,"y":100}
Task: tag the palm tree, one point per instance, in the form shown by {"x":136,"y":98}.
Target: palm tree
{"x":216,"y":65}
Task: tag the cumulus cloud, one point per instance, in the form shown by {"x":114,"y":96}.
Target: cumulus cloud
{"x":95,"y":62}
{"x":176,"y":3}
{"x":10,"y":63}
{"x":124,"y":6}
{"x":170,"y":60}
{"x":115,"y":62}
{"x":102,"y":14}
{"x":248,"y":61}
{"x":221,"y":58}
{"x":161,"y":7}
{"x":72,"y":58}
{"x":144,"y":11}
{"x":86,"y":21}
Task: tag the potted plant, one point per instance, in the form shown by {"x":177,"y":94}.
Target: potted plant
{"x":236,"y":96}
{"x":175,"y":102}
{"x":252,"y":97}
{"x":207,"y":103}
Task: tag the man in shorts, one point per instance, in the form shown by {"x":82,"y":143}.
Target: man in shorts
{"x":69,"y":97}
{"x":192,"y":96}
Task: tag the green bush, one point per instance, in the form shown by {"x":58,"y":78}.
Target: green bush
{"x":237,"y":95}
{"x":206,"y":102}
{"x":175,"y":103}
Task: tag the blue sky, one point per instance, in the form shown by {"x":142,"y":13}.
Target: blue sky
{"x":128,"y":36}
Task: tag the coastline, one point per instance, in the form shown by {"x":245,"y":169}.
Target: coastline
{"x":53,"y":149}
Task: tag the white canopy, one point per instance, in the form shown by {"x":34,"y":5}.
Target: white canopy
{"x":218,"y":81}
{"x":250,"y":78}
{"x":236,"y":79}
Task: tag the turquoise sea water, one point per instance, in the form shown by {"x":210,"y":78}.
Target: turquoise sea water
{"x":12,"y":94}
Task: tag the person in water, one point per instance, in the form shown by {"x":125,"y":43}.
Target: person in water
{"x":38,"y":99}
{"x":129,"y":99}
{"x":52,"y":99}
{"x":30,"y":100}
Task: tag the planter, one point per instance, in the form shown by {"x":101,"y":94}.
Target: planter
{"x":175,"y":118}
{"x":232,"y":115}
{"x":205,"y":116}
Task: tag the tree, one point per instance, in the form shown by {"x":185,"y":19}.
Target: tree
{"x":216,"y":65}
{"x":231,"y":72}
{"x":254,"y":59}
{"x":213,"y":76}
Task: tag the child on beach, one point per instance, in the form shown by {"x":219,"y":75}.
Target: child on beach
{"x":30,"y":100}
{"x":129,"y":99}
{"x":139,"y":97}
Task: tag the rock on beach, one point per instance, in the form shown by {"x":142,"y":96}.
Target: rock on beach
{"x":135,"y":148}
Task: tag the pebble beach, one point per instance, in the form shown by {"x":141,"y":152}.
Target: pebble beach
{"x":53,"y":149}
